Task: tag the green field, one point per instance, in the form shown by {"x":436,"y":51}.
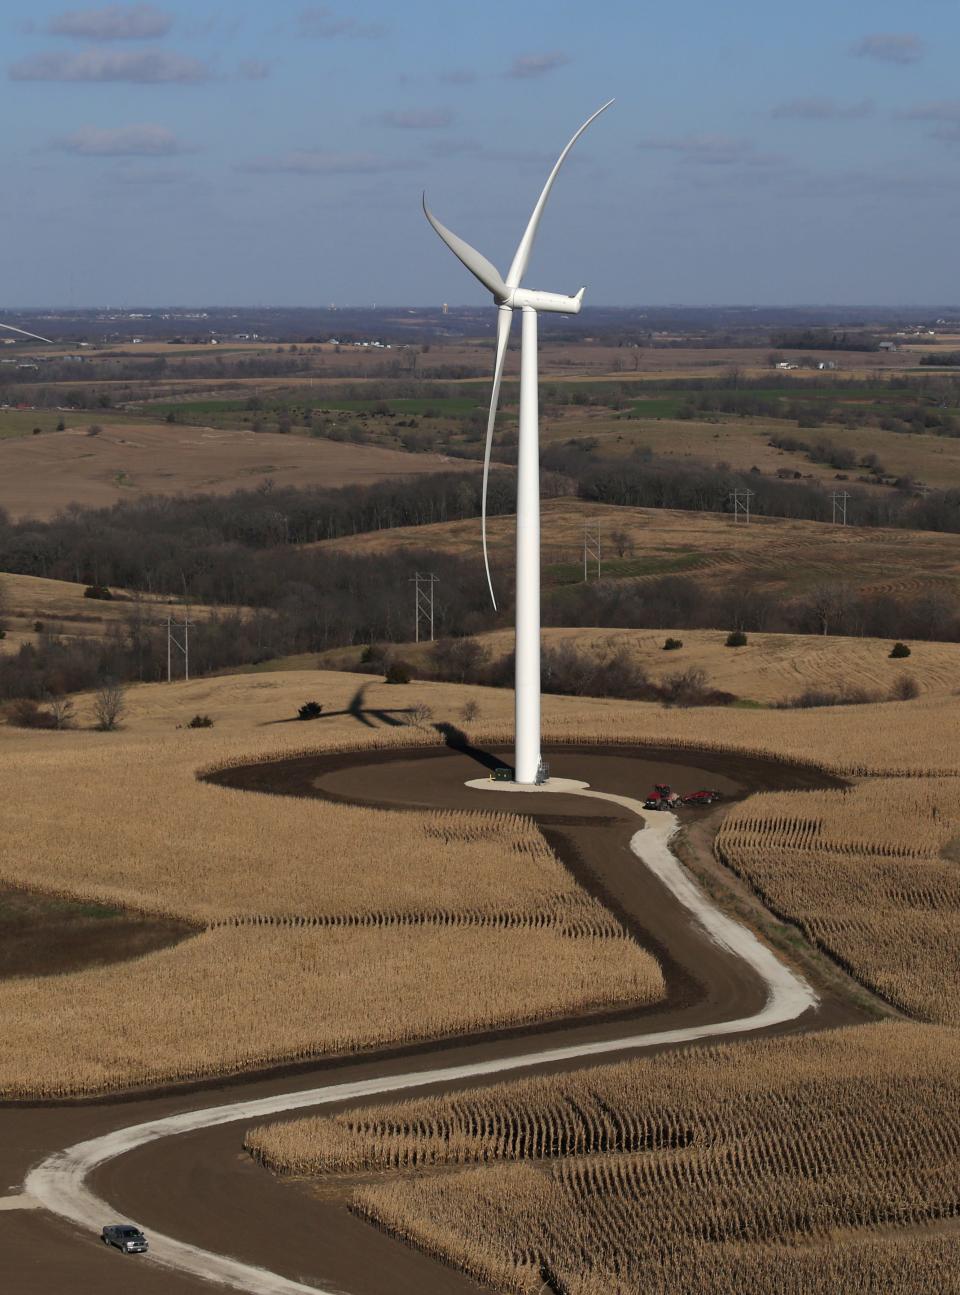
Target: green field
{"x":21,"y":422}
{"x":570,"y":573}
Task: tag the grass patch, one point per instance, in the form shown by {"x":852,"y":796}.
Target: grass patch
{"x":568,"y":573}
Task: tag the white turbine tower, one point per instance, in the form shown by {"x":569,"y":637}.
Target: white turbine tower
{"x":509,"y":296}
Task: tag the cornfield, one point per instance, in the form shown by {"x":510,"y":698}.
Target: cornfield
{"x":122,"y":819}
{"x":238,"y":999}
{"x":355,"y":915}
{"x":863,"y":873}
{"x":751,"y":1167}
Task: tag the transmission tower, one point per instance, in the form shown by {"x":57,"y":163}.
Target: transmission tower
{"x":839,"y":500}
{"x":741,"y":504}
{"x":591,"y":548}
{"x":423,"y":602}
{"x":182,"y":645}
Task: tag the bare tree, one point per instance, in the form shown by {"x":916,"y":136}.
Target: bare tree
{"x":109,"y":705}
{"x":831,"y":606}
{"x":622,"y":542}
{"x":61,"y":710}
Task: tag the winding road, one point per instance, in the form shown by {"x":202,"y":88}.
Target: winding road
{"x":60,"y":1183}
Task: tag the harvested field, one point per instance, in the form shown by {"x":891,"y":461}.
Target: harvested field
{"x":770,"y":668}
{"x":783,"y":555}
{"x":39,"y":475}
{"x":358,"y":912}
{"x":203,"y":861}
{"x":773,"y":1165}
{"x":62,"y":609}
{"x":870,"y":875}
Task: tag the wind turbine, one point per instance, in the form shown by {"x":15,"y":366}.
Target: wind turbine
{"x":37,"y":336}
{"x":510,"y":296}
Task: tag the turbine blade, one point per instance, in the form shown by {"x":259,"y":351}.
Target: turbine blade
{"x":518,"y":267}
{"x":504,"y":320}
{"x":37,"y":336}
{"x":476,"y":263}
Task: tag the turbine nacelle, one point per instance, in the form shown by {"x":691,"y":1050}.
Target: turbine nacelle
{"x":518,"y":298}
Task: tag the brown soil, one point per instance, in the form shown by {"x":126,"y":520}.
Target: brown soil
{"x":43,"y":936}
{"x":204,"y":1189}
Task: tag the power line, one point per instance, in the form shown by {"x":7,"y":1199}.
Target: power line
{"x":591,"y":548}
{"x":424,"y":583}
{"x":182,"y":645}
{"x":741,"y":504}
{"x":839,"y":500}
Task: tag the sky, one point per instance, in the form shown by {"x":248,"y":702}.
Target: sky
{"x":200,"y":153}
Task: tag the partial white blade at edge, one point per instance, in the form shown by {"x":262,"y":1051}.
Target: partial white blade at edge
{"x":504,"y":320}
{"x":518,"y":267}
{"x":475,"y":261}
{"x":11,"y":328}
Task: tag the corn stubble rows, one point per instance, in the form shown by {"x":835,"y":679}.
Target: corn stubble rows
{"x":754,"y":1167}
{"x":353,"y":915}
{"x":869,"y":874}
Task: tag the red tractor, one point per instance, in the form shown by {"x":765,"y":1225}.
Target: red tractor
{"x":663,"y":798}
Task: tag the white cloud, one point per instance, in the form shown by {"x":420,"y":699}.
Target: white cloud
{"x":711,"y":150}
{"x":323,"y":23}
{"x":120,"y":141}
{"x":530,"y":65}
{"x":113,"y":22}
{"x":890,"y":47}
{"x":942,"y":110}
{"x":254,"y":69}
{"x":822,"y":110}
{"x":140,"y":66}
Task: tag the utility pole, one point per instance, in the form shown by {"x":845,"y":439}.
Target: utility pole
{"x":182,"y":646}
{"x":591,"y":547}
{"x":839,"y":500}
{"x":423,"y":601}
{"x":741,"y":504}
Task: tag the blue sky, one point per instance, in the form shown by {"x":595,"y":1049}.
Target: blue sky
{"x":251,"y":153}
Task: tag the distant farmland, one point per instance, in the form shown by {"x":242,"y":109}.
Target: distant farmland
{"x":780,"y":554}
{"x":39,"y":475}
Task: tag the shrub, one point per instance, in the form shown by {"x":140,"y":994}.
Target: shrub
{"x":470,"y":711}
{"x":94,"y":429}
{"x":310,"y":710}
{"x":904,"y":688}
{"x":899,"y":650}
{"x":671,"y":645}
{"x":109,"y":705}
{"x":26,"y":713}
{"x":398,"y":672}
{"x":201,"y":721}
{"x":38,"y":629}
{"x":736,"y":638}
{"x":843,"y":696}
{"x":421,"y":715}
{"x":98,"y":591}
{"x":60,"y":710}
